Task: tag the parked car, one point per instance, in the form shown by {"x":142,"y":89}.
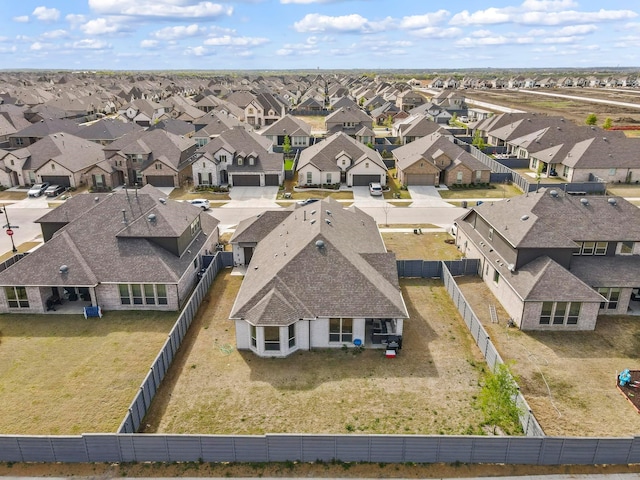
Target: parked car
{"x":307,"y":201}
{"x":54,"y":190}
{"x":375,"y":189}
{"x":38,"y":189}
{"x":203,"y":203}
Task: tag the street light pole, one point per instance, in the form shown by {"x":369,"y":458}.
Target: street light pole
{"x":9,"y":228}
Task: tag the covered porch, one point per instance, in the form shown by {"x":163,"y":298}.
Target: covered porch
{"x":67,"y":299}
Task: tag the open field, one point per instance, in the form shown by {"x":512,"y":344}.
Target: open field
{"x":572,"y":109}
{"x":428,"y":246}
{"x":428,"y":389}
{"x":62,"y":374}
{"x":568,"y":378}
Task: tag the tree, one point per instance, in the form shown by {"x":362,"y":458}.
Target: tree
{"x":591,"y":119}
{"x":454,"y":119}
{"x":286,"y":145}
{"x":608,"y":123}
{"x":478,"y":141}
{"x":388,"y":122}
{"x":497,"y":400}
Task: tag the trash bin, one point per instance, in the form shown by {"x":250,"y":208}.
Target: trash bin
{"x":464,"y":204}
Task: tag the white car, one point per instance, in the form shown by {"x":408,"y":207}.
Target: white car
{"x":375,"y":189}
{"x":203,"y":203}
{"x":38,"y":189}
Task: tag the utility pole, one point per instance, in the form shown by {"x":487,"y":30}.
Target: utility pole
{"x":9,"y":229}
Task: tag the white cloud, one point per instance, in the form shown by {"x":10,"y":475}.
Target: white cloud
{"x":75,"y":20}
{"x":179,"y":31}
{"x":9,"y":49}
{"x":577,"y":30}
{"x":284,"y":52}
{"x":310,"y":47}
{"x":197,"y":51}
{"x":21,"y":19}
{"x":149,"y":43}
{"x":229,"y":41}
{"x":426,"y":20}
{"x":160,"y":8}
{"x":354,"y":23}
{"x":539,"y":12}
{"x":101,"y":26}
{"x":46,"y":14}
{"x":91,"y":44}
{"x":55,"y":34}
{"x":436,"y":32}
{"x":309,"y":2}
{"x":37,"y":46}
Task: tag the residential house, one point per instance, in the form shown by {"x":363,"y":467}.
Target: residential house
{"x":348,"y":120}
{"x":340,"y":159}
{"x":11,"y":121}
{"x":238,"y":157}
{"x":121,"y":251}
{"x":436,"y":160}
{"x":414,"y":127}
{"x":107,"y":130}
{"x":556,"y":261}
{"x":216,"y":123}
{"x":143,"y":112}
{"x":291,"y":298}
{"x":154,"y":157}
{"x":409,"y":99}
{"x":36,"y":131}
{"x":298,"y":131}
{"x":59,"y":158}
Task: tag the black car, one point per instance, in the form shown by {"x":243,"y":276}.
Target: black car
{"x":54,"y":190}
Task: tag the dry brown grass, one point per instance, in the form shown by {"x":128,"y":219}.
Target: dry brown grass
{"x":13,"y":195}
{"x":428,"y":246}
{"x":428,"y":389}
{"x":578,"y":367}
{"x":316,"y":121}
{"x":500,"y":191}
{"x":624,"y":190}
{"x":187,"y":193}
{"x":62,"y":374}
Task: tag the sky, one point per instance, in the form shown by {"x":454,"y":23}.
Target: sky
{"x":318,"y":34}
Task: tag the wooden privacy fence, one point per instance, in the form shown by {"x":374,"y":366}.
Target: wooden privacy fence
{"x":530,"y":425}
{"x":151,"y":383}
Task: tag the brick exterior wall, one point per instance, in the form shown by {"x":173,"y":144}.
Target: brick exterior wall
{"x":418,"y":168}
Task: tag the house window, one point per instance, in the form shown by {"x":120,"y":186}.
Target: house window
{"x":478,"y":174}
{"x":612,"y":172}
{"x":147,"y":294}
{"x":340,"y":330}
{"x":309,"y":178}
{"x":223,"y":158}
{"x":459,"y":177}
{"x":328,"y":178}
{"x":565,"y":171}
{"x":366,"y":164}
{"x":626,"y":248}
{"x":292,"y":335}
{"x":612,"y":295}
{"x":588,"y":248}
{"x":254,"y":341}
{"x":149,"y":297}
{"x":601,"y":248}
{"x":240,"y":161}
{"x":19,"y":141}
{"x":562,"y":313}
{"x":272,"y":338}
{"x":251,"y":111}
{"x":195,"y":226}
{"x":12,"y":162}
{"x":344,"y":162}
{"x":545,"y":315}
{"x":534,"y":163}
{"x":204,"y":165}
{"x":251,"y":161}
{"x":496,"y":276}
{"x":53,"y":166}
{"x":491,"y":234}
{"x":195,"y":263}
{"x":158,"y":166}
{"x":136,"y":294}
{"x":201,"y":142}
{"x":592,"y":248}
{"x":17,"y":297}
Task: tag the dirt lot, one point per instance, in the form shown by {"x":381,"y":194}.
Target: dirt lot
{"x":63,"y":374}
{"x":212,"y":388}
{"x":569,"y":108}
{"x":569,"y":379}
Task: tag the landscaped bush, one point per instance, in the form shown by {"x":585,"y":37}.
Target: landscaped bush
{"x":213,"y":188}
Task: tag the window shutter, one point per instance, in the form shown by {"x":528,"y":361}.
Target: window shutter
{"x":199,"y":178}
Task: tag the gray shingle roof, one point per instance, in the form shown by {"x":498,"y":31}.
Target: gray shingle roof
{"x":70,"y":151}
{"x":254,"y":229}
{"x":350,"y":275}
{"x":288,"y":125}
{"x":95,"y":250}
{"x":323,"y":154}
{"x":618,"y":271}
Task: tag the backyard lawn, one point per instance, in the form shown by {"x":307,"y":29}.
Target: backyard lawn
{"x":428,"y":389}
{"x":568,"y":378}
{"x":428,"y":246}
{"x":62,"y":374}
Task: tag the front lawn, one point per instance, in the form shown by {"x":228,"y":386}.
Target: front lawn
{"x":395,"y":188}
{"x":63,"y":375}
{"x":188,"y":193}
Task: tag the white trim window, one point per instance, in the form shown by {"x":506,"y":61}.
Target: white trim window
{"x":612,"y":295}
{"x":560,"y":313}
{"x":271,"y":339}
{"x":592,"y":248}
{"x":17,"y":297}
{"x":341,"y":330}
{"x":142,"y":294}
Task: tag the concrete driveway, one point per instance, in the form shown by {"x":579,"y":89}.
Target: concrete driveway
{"x":362,"y":198}
{"x":426,"y":196}
{"x":253,"y":197}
